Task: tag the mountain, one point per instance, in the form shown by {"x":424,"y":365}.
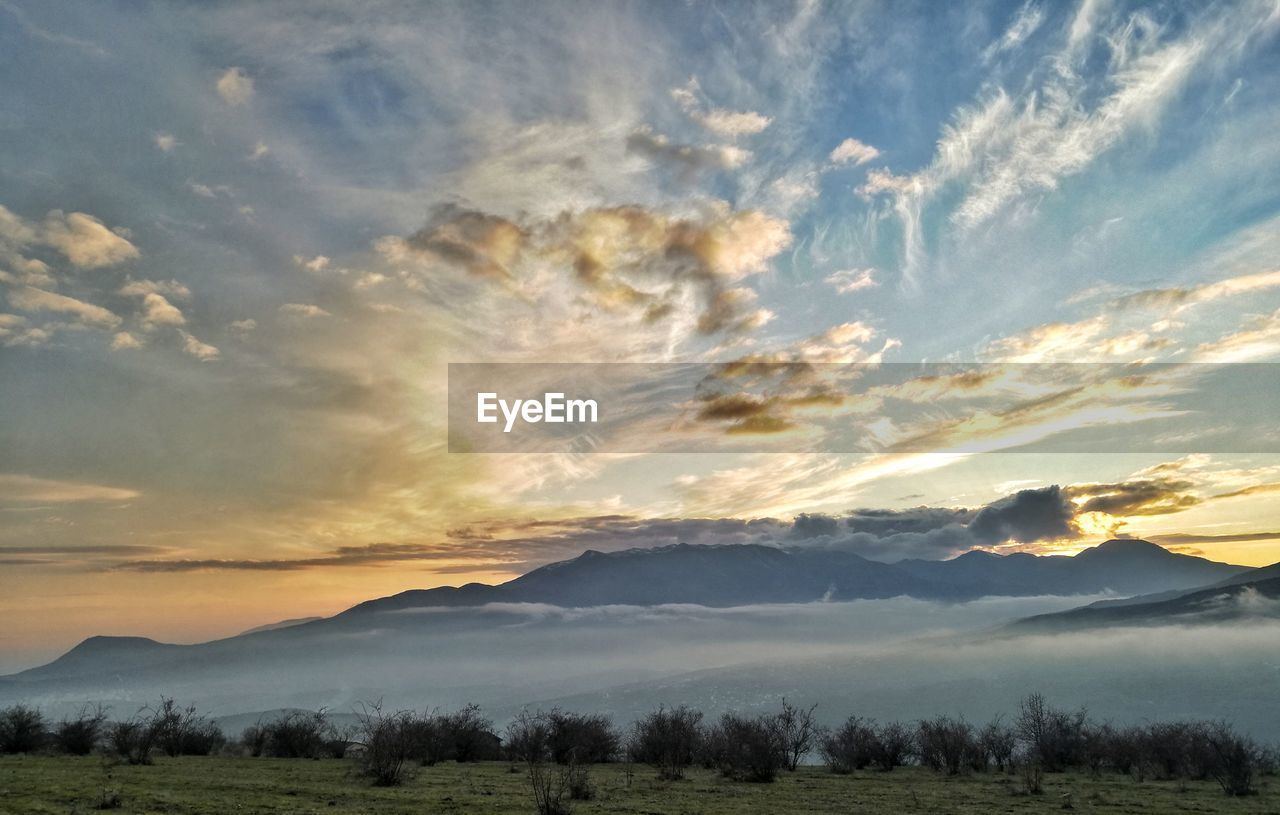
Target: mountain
{"x":1125,"y":567}
{"x":281,"y":624}
{"x":747,"y":574}
{"x":609,"y":615}
{"x":1253,"y":596}
{"x":716,"y":576}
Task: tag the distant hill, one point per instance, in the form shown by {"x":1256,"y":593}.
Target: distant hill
{"x":281,"y":624}
{"x":745,"y":574}
{"x":1254,"y":596}
{"x":405,"y":639}
{"x":1125,"y":567}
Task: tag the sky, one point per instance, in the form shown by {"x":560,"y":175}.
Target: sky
{"x":240,"y":243}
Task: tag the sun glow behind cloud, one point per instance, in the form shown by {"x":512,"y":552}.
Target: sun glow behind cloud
{"x":229,"y":340}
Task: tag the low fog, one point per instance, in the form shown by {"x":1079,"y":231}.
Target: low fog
{"x":885,"y":658}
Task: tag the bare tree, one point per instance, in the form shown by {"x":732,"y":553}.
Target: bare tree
{"x":21,"y":729}
{"x":997,"y":742}
{"x":946,"y":744}
{"x":388,"y":741}
{"x":553,"y":785}
{"x":667,"y":739}
{"x":1232,"y":759}
{"x":78,"y":735}
{"x":800,"y":732}
{"x":851,"y":746}
{"x":747,"y":748}
{"x":893,"y":743}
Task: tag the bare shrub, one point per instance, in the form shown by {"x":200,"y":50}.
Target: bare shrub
{"x":388,"y":740}
{"x":21,"y":729}
{"x":181,"y":731}
{"x":582,"y":738}
{"x":133,"y":740}
{"x":997,"y":742}
{"x":1232,"y":760}
{"x":297,"y":734}
{"x":893,"y":744}
{"x":552,"y":785}
{"x":851,"y":746}
{"x":1055,"y":736}
{"x":747,"y":748}
{"x":800,"y":732}
{"x":1030,"y":772}
{"x":946,"y":744}
{"x":667,"y":739}
{"x":468,"y":736}
{"x":79,"y":734}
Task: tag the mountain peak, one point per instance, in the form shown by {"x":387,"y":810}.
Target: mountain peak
{"x":1129,"y":545}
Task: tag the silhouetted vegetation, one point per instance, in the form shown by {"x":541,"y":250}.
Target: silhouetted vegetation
{"x":78,"y":735}
{"x":297,"y":734}
{"x":557,"y":748}
{"x":554,"y":780}
{"x":21,"y":730}
{"x":746,"y":748}
{"x":387,"y":741}
{"x":667,"y":739}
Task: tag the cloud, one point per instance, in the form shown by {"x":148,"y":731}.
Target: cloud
{"x":1025,"y":517}
{"x":31,"y":299}
{"x":200,"y":350}
{"x":485,"y":245}
{"x":26,"y":489}
{"x":688,"y":160}
{"x":16,"y":332}
{"x":141,"y":288}
{"x":623,"y":259}
{"x":235,"y":87}
{"x":303,"y":310}
{"x":1011,"y":146}
{"x":1028,"y":19}
{"x":1143,"y":496}
{"x":85,"y":241}
{"x":124,"y":341}
{"x":850,"y":280}
{"x":1260,"y":339}
{"x":718,"y":120}
{"x":166,"y":142}
{"x":157,"y":311}
{"x":733,"y":123}
{"x":315,"y":264}
{"x":852,"y":151}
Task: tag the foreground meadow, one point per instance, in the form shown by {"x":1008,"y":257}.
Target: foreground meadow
{"x":59,"y":785}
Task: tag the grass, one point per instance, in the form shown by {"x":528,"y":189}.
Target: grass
{"x":216,"y":786}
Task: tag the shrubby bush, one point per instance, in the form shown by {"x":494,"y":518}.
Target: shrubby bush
{"x":531,"y":741}
{"x":668,"y":739}
{"x":747,"y":748}
{"x":21,"y":729}
{"x":80,"y":734}
{"x":388,"y":742}
{"x":947,"y":744}
{"x":296,"y":734}
{"x":581,"y":738}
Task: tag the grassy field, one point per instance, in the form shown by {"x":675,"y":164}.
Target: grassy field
{"x":217,"y":786}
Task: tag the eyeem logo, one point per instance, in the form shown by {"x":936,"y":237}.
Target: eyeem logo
{"x":553,"y":408}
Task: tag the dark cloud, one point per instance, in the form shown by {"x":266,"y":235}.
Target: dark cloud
{"x":1150,"y":496}
{"x":1026,"y":516}
{"x":812,"y":526}
{"x":483,"y":244}
{"x":887,"y":522}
